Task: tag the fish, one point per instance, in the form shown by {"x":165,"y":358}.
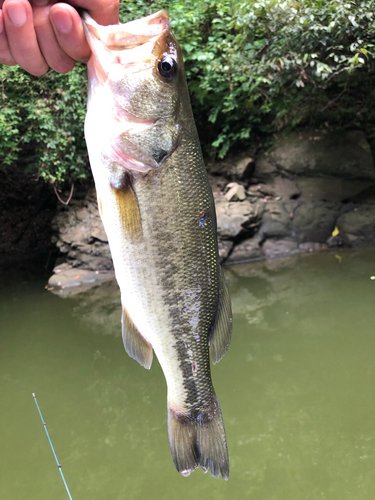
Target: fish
{"x":157,"y":208}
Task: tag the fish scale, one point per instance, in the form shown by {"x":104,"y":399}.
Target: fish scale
{"x":159,"y":215}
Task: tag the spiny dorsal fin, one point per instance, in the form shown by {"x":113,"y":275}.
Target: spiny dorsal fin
{"x":222,"y":331}
{"x":135,"y":345}
{"x":127,"y":203}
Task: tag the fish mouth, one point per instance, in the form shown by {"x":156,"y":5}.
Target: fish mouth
{"x":126,"y":44}
{"x":130,"y":34}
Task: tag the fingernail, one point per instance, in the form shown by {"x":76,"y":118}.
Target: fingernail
{"x":16,"y":13}
{"x":62,"y":21}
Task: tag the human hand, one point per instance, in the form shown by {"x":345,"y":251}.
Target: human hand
{"x":39,"y":34}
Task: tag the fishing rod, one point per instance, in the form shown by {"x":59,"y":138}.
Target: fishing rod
{"x":53,"y":450}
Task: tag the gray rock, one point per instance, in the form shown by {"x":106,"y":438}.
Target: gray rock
{"x":299,"y":220}
{"x":247,"y":250}
{"x":265,"y":169}
{"x":279,"y":248}
{"x":280,"y":187}
{"x":344,"y":154}
{"x":225,"y":246}
{"x":234,"y":218}
{"x":332,"y":189}
{"x":357,"y":227}
{"x":68,"y":281}
{"x":234,"y":169}
{"x":277,"y":219}
{"x":243,"y":168}
{"x":314,"y":221}
{"x":311,"y":246}
{"x":81,"y":236}
{"x":235,"y":192}
{"x":367,"y":196}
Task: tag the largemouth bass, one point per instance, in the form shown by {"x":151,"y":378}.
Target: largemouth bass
{"x":157,"y":208}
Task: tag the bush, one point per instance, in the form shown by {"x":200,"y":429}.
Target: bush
{"x":41,"y":122}
{"x":276,"y":64}
{"x":253,"y":68}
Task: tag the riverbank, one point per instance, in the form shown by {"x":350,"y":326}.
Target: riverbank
{"x":314,"y":190}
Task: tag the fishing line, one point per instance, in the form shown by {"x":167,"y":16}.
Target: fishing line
{"x":53,"y":450}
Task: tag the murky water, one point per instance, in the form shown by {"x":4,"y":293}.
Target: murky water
{"x":296,"y":390}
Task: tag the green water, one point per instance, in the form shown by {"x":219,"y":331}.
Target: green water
{"x":296,"y":390}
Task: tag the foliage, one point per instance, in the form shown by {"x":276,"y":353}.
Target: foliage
{"x":253,"y":67}
{"x":41,"y":122}
{"x":256,"y":67}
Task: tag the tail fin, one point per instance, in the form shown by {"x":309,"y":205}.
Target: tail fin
{"x":199,"y":440}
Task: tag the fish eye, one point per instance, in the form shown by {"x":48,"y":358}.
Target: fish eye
{"x":167,"y":68}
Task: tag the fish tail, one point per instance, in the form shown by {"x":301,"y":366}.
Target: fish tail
{"x":199,"y":440}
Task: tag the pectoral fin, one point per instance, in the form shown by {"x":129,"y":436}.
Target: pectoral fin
{"x":135,"y":345}
{"x":127,"y":203}
{"x":222,"y":330}
{"x":100,"y":206}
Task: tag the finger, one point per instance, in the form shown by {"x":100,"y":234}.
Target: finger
{"x":23,"y":44}
{"x":5,"y":55}
{"x":54,"y":55}
{"x":104,"y":12}
{"x":69,"y":32}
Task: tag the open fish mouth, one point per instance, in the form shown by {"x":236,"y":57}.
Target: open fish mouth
{"x":131,"y":43}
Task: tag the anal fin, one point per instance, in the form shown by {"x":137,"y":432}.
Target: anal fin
{"x":135,"y":345}
{"x":222,"y":329}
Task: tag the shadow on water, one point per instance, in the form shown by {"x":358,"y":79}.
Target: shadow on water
{"x":296,"y":390}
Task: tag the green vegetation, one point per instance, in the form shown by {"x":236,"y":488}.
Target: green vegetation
{"x":253,"y":68}
{"x":41,"y":122}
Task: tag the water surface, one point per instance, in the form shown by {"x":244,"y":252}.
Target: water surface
{"x":296,"y":390}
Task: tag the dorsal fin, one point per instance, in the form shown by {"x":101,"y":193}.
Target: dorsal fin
{"x":135,"y":345}
{"x":222,"y":330}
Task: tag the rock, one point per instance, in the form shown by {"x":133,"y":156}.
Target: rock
{"x":64,"y":266}
{"x":67,"y":281}
{"x":98,"y":233}
{"x":311,"y":246}
{"x":280,"y":187}
{"x":93,"y":262}
{"x":277,"y":219}
{"x":234,"y":218}
{"x":243,"y":169}
{"x":81,"y":236}
{"x":279,"y":248}
{"x":265,"y":169}
{"x":331,"y":189}
{"x":357,"y":227}
{"x":247,"y":250}
{"x":236,"y":192}
{"x":234,"y":169}
{"x":316,"y":153}
{"x":366,"y":196}
{"x":314,"y":221}
{"x":299,"y":220}
{"x":334,"y":241}
{"x":225,"y":246}
{"x":309,"y":183}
